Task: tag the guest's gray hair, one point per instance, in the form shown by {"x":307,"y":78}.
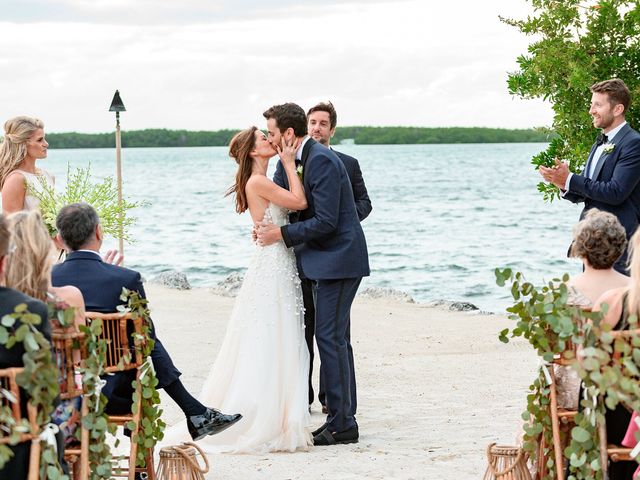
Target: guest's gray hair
{"x":76,"y":224}
{"x":599,"y":238}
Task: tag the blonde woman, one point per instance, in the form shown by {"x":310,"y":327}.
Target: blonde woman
{"x":23,"y":143}
{"x":28,"y":270}
{"x":29,"y":264}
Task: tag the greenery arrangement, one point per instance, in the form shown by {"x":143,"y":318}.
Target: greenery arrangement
{"x":610,"y":370}
{"x":39,"y":379}
{"x":96,"y":421}
{"x":152,"y":430}
{"x":577,"y":43}
{"x":360,"y":135}
{"x":102,"y":196}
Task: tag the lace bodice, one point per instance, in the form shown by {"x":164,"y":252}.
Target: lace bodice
{"x":277,"y":215}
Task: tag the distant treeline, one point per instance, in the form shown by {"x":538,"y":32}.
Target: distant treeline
{"x":358,"y":135}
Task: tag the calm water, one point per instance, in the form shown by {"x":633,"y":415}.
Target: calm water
{"x":444,"y":216}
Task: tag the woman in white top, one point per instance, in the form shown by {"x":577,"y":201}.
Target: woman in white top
{"x":22,"y":145}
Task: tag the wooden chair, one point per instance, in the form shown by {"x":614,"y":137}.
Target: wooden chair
{"x":117,"y":329}
{"x":560,"y":417}
{"x":8,"y":383}
{"x":70,"y":355}
{"x":616,"y":453}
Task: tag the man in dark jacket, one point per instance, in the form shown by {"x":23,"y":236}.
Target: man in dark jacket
{"x":321,"y":123}
{"x":101,"y":284}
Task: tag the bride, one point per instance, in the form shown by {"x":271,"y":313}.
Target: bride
{"x":262,"y":367}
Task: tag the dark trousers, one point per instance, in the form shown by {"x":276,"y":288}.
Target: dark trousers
{"x":309,"y":332}
{"x":333,"y":299}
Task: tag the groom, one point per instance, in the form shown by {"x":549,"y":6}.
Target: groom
{"x":331,"y":251}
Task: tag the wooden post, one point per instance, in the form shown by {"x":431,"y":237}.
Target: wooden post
{"x":119,"y":180}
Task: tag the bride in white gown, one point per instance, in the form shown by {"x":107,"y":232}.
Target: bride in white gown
{"x":261,"y":370}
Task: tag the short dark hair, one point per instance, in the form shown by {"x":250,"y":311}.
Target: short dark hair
{"x":326,"y":107}
{"x":76,"y":223}
{"x":288,"y":115}
{"x":5,"y":236}
{"x":616,"y":90}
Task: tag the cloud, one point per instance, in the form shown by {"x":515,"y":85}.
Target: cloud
{"x":402,"y":63}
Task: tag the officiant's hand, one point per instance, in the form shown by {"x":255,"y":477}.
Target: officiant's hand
{"x":556,"y":175}
{"x":268,"y":234}
{"x":113,"y":257}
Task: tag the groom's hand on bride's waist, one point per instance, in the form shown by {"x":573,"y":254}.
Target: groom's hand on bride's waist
{"x":268,"y":234}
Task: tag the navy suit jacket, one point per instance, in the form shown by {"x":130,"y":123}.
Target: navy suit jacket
{"x":329,"y":240}
{"x":360,"y":195}
{"x":101,"y":286}
{"x":615,"y":186}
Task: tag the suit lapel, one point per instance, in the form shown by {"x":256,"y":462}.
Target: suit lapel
{"x":587,"y":167}
{"x":306,"y":149}
{"x":618,"y":140}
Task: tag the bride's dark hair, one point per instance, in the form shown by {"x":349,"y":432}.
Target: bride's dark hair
{"x":239,"y":149}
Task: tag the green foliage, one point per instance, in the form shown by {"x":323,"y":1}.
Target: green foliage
{"x":152,"y":425}
{"x":102,"y":196}
{"x":575,"y":46}
{"x":360,"y":135}
{"x":96,"y":421}
{"x":38,"y":379}
{"x":609,"y":369}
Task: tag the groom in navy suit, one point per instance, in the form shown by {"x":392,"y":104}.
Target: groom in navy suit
{"x":610,"y":180}
{"x":331,"y":250}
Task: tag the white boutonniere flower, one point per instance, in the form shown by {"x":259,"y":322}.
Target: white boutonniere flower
{"x":299,"y":171}
{"x":608,"y":148}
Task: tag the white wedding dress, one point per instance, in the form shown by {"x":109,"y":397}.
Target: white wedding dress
{"x":262,"y":368}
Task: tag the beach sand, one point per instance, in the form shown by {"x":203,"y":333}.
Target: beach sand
{"x":434,"y":389}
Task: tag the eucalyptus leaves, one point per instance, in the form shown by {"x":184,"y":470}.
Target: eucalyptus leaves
{"x":79,"y":188}
{"x":609,"y":367}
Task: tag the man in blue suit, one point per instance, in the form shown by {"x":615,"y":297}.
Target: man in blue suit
{"x":101,"y":285}
{"x":331,"y":250}
{"x":610,"y":180}
{"x":321,"y":124}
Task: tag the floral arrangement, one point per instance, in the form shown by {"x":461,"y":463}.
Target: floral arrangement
{"x":101,"y":196}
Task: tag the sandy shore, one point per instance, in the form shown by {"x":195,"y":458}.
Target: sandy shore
{"x":434,"y":388}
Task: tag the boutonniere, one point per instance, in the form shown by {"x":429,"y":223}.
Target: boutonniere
{"x":608,"y":148}
{"x":299,"y":171}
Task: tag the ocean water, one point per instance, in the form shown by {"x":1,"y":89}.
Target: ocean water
{"x":444,"y":216}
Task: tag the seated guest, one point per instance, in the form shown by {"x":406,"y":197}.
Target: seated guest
{"x":598,"y":240}
{"x":101,"y":286}
{"x":29,"y":265}
{"x":623,"y":302}
{"x":29,"y":271}
{"x":17,"y":467}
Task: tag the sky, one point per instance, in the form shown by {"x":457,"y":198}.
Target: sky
{"x":213,"y":64}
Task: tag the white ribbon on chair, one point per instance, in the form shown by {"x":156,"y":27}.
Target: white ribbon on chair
{"x":48,"y":435}
{"x":545,"y":370}
{"x":99,"y":386}
{"x":636,"y":450}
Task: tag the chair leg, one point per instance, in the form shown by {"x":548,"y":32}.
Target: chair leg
{"x":137,"y":396}
{"x":555,"y":427}
{"x":83,"y":471}
{"x":34,"y":459}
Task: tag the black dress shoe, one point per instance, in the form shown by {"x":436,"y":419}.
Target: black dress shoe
{"x":209,"y":423}
{"x":325,"y":437}
{"x":318,"y":430}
